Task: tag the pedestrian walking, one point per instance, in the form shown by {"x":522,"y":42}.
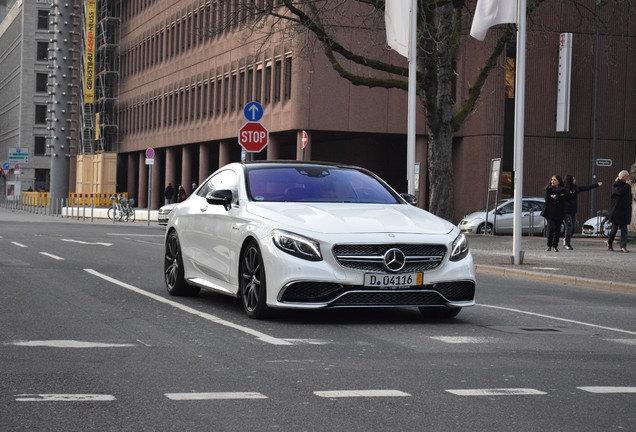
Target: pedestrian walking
{"x":571,"y":206}
{"x":620,"y":210}
{"x":553,"y":210}
{"x":168,"y":193}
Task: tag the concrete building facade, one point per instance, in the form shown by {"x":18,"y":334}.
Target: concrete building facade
{"x":188,"y":68}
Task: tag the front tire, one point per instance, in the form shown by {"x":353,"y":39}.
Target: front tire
{"x":486,"y":229}
{"x":173,"y":269}
{"x":252,"y":286}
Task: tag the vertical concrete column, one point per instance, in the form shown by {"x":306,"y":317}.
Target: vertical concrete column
{"x":170,"y":168}
{"x":61,"y":46}
{"x":204,"y":162}
{"x":156,"y":199}
{"x":142,"y":190}
{"x":186,"y":169}
{"x":224,"y":153}
{"x":133,"y":176}
{"x":273,"y":148}
{"x":303,"y":153}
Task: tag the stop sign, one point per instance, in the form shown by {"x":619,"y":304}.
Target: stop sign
{"x":253,"y":136}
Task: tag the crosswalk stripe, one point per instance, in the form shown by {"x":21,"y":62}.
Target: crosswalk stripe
{"x":53,"y":397}
{"x":496,"y":392}
{"x":608,"y":389}
{"x":215,"y":396}
{"x":360,"y":393}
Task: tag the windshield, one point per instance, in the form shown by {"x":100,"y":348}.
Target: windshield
{"x":316,"y":184}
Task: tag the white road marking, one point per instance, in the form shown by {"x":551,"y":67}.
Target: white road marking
{"x":360,"y":393}
{"x":308,"y":341}
{"x":215,"y":396}
{"x":497,"y":392}
{"x":260,"y":336}
{"x":136,"y":235}
{"x":19,"y":244}
{"x":623,"y":341}
{"x":67,"y":344}
{"x":546,"y":268}
{"x":608,"y":390}
{"x":52,"y":256}
{"x":558,"y":319}
{"x":87,"y":243}
{"x":464,"y":339}
{"x":64,"y":398}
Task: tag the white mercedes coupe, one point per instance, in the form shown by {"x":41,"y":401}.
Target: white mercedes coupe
{"x":308,"y":235}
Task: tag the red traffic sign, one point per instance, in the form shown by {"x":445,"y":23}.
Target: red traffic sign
{"x":253,"y":137}
{"x":150,"y":153}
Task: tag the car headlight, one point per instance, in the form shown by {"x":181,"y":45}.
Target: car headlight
{"x":460,"y":248}
{"x":297,"y":245}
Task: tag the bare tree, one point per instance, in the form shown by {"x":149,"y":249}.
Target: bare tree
{"x":438,"y":38}
{"x":439,"y":34}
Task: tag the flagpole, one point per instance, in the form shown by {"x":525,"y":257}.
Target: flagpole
{"x":520,"y":96}
{"x":410,"y":144}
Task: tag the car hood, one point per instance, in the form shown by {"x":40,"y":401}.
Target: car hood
{"x":478,"y":215}
{"x":335,"y":218}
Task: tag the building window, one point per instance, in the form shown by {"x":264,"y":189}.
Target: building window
{"x":43,"y":19}
{"x":278,"y":66}
{"x":267,"y":83}
{"x":40,"y":114}
{"x":39,"y":146}
{"x":287,"y":83}
{"x":42,"y":51}
{"x":41,"y":80}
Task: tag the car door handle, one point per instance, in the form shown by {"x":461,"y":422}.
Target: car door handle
{"x":203,"y":208}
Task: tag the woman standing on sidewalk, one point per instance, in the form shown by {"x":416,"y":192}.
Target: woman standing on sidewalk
{"x":620,"y":209}
{"x":571,"y":206}
{"x":553,"y":211}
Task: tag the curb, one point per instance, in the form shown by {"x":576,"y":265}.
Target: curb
{"x":620,"y":287}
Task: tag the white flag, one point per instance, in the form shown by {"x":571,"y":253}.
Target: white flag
{"x":396,"y":21}
{"x":492,"y":12}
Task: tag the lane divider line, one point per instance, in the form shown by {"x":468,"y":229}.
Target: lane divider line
{"x":258,"y":335}
{"x":559,"y":319}
{"x":52,"y":256}
{"x":215,"y":396}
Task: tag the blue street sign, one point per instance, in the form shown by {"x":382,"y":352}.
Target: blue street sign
{"x":253,"y":111}
{"x":5,"y":165}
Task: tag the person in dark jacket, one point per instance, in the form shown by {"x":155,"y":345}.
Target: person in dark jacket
{"x":553,"y":210}
{"x":620,"y":209}
{"x":570,"y":206}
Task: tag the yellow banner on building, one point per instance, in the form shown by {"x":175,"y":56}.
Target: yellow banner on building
{"x":89,"y":56}
{"x":96,"y":126}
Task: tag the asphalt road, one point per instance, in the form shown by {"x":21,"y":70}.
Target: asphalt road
{"x":90,"y":341}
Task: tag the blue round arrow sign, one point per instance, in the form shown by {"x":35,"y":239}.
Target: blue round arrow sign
{"x":253,"y":111}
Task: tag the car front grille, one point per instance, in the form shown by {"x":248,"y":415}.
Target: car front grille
{"x":370,"y":257}
{"x":334,"y":294}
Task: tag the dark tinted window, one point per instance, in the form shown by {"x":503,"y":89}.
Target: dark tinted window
{"x":316,"y":184}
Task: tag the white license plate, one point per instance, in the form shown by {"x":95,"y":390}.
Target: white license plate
{"x":383,"y":280}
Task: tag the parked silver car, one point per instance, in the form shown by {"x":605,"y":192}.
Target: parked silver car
{"x":499,"y":219}
{"x":597,"y":226}
{"x":164,"y":213}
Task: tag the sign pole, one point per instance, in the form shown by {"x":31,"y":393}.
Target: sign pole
{"x":149,"y":190}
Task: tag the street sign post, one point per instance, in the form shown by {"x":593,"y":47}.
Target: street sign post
{"x":253,"y":137}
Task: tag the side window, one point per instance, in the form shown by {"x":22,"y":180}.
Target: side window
{"x":508,"y":208}
{"x":226,"y":179}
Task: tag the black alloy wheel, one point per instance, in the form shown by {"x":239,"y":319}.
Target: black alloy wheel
{"x":173,"y":269}
{"x":252,"y":286}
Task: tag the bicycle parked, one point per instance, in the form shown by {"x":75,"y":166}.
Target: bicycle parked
{"x":122,"y":209}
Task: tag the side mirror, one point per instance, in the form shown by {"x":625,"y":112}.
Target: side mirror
{"x":220,"y":197}
{"x":410,"y":199}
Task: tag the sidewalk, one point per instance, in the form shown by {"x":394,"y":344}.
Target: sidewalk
{"x":590,"y":264}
